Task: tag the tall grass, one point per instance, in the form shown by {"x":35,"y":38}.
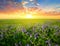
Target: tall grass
{"x":47,"y":34}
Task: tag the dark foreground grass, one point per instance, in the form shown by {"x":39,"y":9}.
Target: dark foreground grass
{"x":30,"y":32}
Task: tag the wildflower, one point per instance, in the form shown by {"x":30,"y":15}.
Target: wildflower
{"x":27,"y":33}
{"x":48,"y":42}
{"x":27,"y":45}
{"x":23,"y":29}
{"x":44,"y":27}
{"x":16,"y":44}
{"x":36,"y":35}
{"x":1,"y":36}
{"x":56,"y":28}
{"x":30,"y":35}
{"x":20,"y":43}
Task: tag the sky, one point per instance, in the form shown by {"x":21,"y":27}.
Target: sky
{"x":30,"y":3}
{"x":48,"y":6}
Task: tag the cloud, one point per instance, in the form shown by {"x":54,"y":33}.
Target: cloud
{"x":14,"y":5}
{"x":25,"y":2}
{"x":31,"y":0}
{"x":35,"y":2}
{"x":53,"y":11}
{"x":5,"y":4}
{"x":9,"y":5}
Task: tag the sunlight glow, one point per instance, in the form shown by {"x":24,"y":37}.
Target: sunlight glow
{"x":29,"y":16}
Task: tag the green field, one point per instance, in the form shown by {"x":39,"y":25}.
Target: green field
{"x":29,"y":32}
{"x":28,"y":21}
{"x":20,"y":21}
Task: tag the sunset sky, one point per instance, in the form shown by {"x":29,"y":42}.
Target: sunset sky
{"x":29,"y":8}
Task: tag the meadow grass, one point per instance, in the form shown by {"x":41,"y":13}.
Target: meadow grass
{"x":29,"y":32}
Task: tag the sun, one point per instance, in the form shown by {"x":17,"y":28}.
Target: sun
{"x":29,"y":16}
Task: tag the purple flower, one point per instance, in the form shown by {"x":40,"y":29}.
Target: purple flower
{"x":16,"y":44}
{"x":36,"y":35}
{"x":27,"y":45}
{"x":23,"y":29}
{"x":48,"y":42}
{"x":20,"y":43}
{"x":56,"y":27}
{"x":1,"y":36}
{"x":44,"y":26}
{"x":27,"y":33}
